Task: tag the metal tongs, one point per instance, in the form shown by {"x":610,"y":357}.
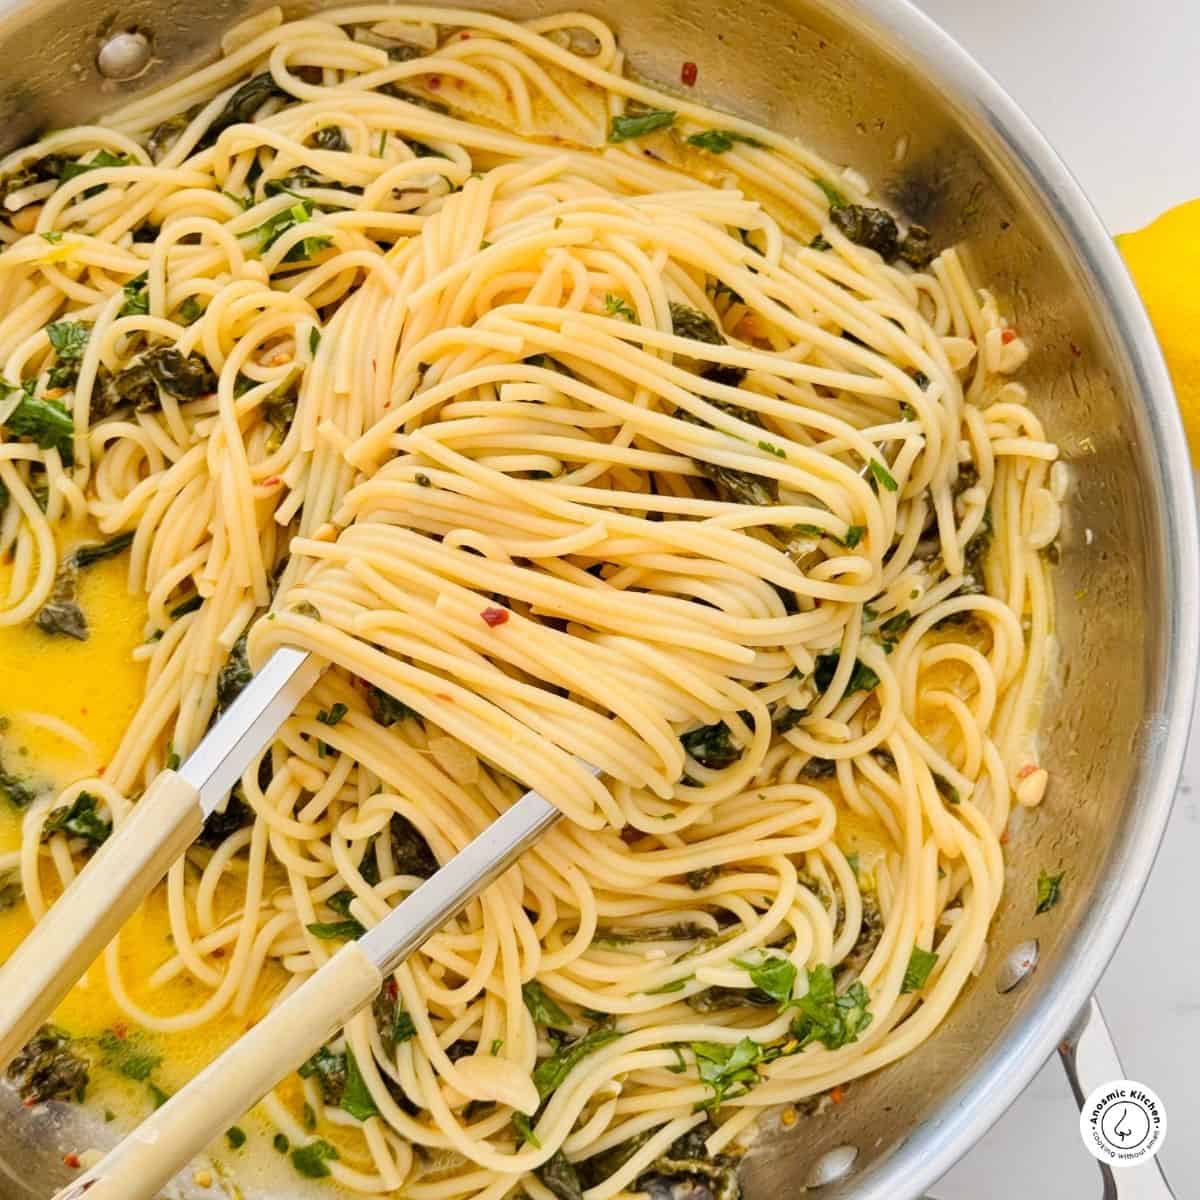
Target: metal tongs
{"x":136,"y":857}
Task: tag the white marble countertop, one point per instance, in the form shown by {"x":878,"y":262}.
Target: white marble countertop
{"x":1113,"y":86}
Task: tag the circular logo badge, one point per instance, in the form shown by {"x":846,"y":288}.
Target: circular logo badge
{"x":1123,"y":1123}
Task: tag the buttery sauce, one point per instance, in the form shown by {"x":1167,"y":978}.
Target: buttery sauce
{"x":64,"y":707}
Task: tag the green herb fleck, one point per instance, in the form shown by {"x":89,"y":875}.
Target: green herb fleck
{"x":718,"y":141}
{"x":627,"y":126}
{"x":773,"y":975}
{"x":542,"y":1007}
{"x":920,"y":963}
{"x":616,"y":307}
{"x":882,"y":475}
{"x":82,"y":819}
{"x":1049,"y":888}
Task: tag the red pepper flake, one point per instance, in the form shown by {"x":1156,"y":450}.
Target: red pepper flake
{"x":445,"y":697}
{"x":435,"y":82}
{"x":393,"y":988}
{"x":462,"y":37}
{"x":1009,"y":335}
{"x":1004,"y":838}
{"x":494,"y":616}
{"x":218,"y":952}
{"x":1027,"y":770}
{"x":688,"y":74}
{"x":272,"y":481}
{"x":72,"y":1161}
{"x":29,"y":1102}
{"x":101,"y":770}
{"x":1075,"y":350}
{"x":837,"y":1095}
{"x":120,"y":1031}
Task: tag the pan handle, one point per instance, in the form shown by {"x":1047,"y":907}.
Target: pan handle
{"x":1089,"y":1057}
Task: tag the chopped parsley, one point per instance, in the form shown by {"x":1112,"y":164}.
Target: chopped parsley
{"x":310,"y":1160}
{"x":331,"y":716}
{"x":728,"y":1069}
{"x":773,"y":975}
{"x":616,"y":307}
{"x":718,"y":141}
{"x":627,"y":126}
{"x":1049,"y":889}
{"x":920,"y":963}
{"x":882,"y":476}
{"x":826,"y":1017}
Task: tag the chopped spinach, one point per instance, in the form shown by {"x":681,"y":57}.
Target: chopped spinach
{"x":61,"y":614}
{"x":330,"y":1071}
{"x":870,"y":227}
{"x":85,"y":556}
{"x":688,"y":1172}
{"x":82,"y":819}
{"x":862,"y":678}
{"x":165,"y":134}
{"x":712,"y":746}
{"x":46,"y":1068}
{"x":560,"y":1177}
{"x":234,"y":675}
{"x":330,"y":138}
{"x":542,"y":1007}
{"x":551,"y":1072}
{"x":244,"y":103}
{"x":221,"y":823}
{"x":720,"y":999}
{"x":387,"y":710}
{"x":411,"y":854}
{"x":19,"y":792}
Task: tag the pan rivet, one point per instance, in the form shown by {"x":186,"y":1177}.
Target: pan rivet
{"x":124,"y":56}
{"x":832,"y":1165}
{"x":1017,"y":966}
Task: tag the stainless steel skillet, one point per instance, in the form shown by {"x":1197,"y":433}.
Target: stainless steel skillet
{"x":875,"y":85}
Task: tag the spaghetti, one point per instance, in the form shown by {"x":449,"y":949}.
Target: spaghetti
{"x":574,"y":424}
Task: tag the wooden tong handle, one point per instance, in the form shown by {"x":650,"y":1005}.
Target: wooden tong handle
{"x":152,"y":1154}
{"x":68,"y":939}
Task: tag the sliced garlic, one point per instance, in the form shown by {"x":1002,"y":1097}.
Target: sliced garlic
{"x":484,"y":1077}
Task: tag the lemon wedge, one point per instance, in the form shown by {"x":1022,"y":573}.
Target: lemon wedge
{"x":1164,"y":260}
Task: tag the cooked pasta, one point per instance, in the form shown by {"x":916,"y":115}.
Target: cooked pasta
{"x":576,"y":425}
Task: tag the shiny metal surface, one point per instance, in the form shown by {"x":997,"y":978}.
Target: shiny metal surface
{"x":876,"y":85}
{"x":252,"y":720}
{"x":484,"y":858}
{"x":1090,"y":1059}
